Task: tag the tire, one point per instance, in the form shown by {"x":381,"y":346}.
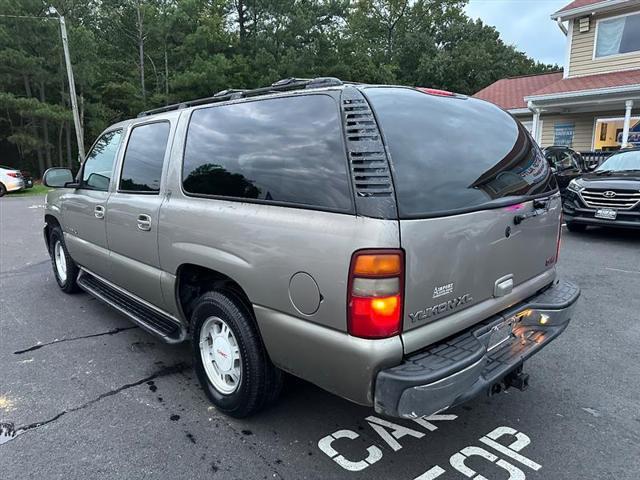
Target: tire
{"x":64,"y":268}
{"x":232,"y":364}
{"x":3,"y":190}
{"x":576,"y":227}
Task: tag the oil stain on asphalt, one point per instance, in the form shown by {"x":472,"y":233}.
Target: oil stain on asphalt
{"x":7,"y":432}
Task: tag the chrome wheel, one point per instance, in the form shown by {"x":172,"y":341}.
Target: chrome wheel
{"x":220,"y":355}
{"x":60,"y":260}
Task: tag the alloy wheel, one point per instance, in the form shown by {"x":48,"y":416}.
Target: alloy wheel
{"x":220,"y":355}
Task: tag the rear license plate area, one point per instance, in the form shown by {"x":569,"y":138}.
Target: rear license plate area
{"x":501,"y":333}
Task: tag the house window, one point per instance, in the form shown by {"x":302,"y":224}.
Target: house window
{"x":618,"y":35}
{"x":608,"y":133}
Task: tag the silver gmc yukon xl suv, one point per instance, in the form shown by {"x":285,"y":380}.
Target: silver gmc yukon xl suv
{"x":395,"y":246}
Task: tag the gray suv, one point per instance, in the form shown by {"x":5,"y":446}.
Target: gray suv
{"x":395,"y":246}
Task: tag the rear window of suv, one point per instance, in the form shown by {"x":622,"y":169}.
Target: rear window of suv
{"x":455,"y":154}
{"x":283,"y":150}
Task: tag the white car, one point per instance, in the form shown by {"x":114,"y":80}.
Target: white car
{"x":10,"y":180}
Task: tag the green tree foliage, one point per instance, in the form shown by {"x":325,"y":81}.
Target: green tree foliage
{"x":131,"y":55}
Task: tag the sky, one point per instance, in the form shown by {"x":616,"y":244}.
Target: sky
{"x":526,"y":24}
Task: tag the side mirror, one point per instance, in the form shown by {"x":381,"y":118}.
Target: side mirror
{"x":57,"y":177}
{"x":99,"y":182}
{"x":592,"y":166}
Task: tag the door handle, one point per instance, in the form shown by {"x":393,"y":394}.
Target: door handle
{"x":99,"y":211}
{"x":144,"y":222}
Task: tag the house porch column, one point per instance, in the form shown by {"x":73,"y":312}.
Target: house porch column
{"x":627,"y":122}
{"x":535,"y":125}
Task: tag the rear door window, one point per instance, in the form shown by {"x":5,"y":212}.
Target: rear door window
{"x":451,"y":154}
{"x":283,"y":150}
{"x":144,"y":157}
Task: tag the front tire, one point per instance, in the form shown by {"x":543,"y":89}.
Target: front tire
{"x":64,"y":268}
{"x":576,"y":227}
{"x":230,"y":360}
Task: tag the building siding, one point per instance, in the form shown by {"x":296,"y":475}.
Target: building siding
{"x":582,"y":135}
{"x":584,"y":127}
{"x":581,"y":60}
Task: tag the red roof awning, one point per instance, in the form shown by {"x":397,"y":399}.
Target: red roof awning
{"x":510,"y":93}
{"x":578,"y":4}
{"x":591,"y":82}
{"x":586,"y":7}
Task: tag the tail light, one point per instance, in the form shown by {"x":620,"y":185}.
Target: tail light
{"x":13,"y":174}
{"x":435,"y":91}
{"x":376,"y":290}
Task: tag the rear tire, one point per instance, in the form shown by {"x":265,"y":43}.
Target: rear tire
{"x":576,"y":227}
{"x":3,"y":190}
{"x":64,"y":268}
{"x":230,"y":360}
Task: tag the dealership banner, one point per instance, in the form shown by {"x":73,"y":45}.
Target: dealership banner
{"x":563,"y":134}
{"x":634,"y":134}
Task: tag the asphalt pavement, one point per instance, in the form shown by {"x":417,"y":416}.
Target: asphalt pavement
{"x":84,"y":394}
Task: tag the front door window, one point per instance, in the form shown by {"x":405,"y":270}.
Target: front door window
{"x":98,"y":166}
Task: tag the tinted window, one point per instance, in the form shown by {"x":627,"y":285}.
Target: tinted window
{"x":283,"y":150}
{"x":453,"y":154}
{"x":98,"y":165}
{"x":144,"y":157}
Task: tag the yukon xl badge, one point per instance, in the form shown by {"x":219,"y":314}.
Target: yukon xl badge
{"x":443,"y":290}
{"x":441,"y":308}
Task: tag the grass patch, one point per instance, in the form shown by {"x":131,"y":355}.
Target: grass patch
{"x":37,"y":189}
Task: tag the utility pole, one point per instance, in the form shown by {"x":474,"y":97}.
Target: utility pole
{"x":72,"y":85}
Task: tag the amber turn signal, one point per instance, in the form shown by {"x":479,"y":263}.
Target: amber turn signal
{"x":378,"y":265}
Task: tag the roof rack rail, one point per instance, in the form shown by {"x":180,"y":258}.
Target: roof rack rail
{"x":229,"y":91}
{"x":283,"y":85}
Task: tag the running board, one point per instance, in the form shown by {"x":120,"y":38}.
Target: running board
{"x":149,"y":318}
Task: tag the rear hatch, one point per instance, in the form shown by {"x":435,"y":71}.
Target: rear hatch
{"x":478,"y":205}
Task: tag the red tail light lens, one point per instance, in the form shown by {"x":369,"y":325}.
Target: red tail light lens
{"x":14,"y":175}
{"x":376,"y":283}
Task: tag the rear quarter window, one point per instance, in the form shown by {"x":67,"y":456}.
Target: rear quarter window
{"x":285,"y":150}
{"x":452,"y":154}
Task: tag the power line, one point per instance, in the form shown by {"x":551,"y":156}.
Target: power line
{"x":28,"y":16}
